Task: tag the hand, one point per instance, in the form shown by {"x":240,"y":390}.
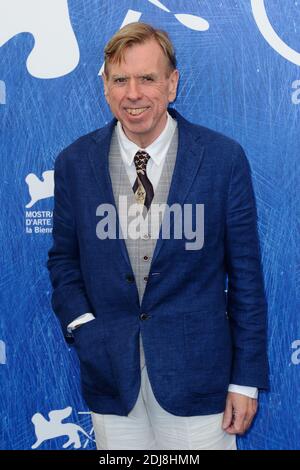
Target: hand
{"x":239,"y":413}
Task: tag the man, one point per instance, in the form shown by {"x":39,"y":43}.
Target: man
{"x":168,"y":359}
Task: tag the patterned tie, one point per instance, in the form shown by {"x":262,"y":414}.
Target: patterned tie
{"x":142,"y":187}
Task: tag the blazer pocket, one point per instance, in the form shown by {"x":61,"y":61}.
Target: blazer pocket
{"x":86,"y":335}
{"x":95,"y":365}
{"x":208,"y":351}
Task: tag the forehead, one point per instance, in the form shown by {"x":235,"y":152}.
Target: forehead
{"x":141,"y":58}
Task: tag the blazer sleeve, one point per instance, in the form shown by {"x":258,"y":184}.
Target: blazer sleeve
{"x":246,"y":301}
{"x":69,"y":299}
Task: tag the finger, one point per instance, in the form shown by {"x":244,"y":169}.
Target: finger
{"x":236,"y":425}
{"x":230,"y":430}
{"x":239,"y":422}
{"x":250,"y":415}
{"x":247,"y":423}
{"x":227,"y":418}
{"x":254,"y":406}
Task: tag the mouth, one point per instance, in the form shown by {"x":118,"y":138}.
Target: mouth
{"x":136,"y":111}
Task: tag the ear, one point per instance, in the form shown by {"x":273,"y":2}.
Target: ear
{"x":173,"y":83}
{"x":105,"y":86}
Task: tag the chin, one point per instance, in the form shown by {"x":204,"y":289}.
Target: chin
{"x":138,"y":128}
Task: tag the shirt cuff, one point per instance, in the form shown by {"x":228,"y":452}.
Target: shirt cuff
{"x":79,"y":321}
{"x":251,"y":392}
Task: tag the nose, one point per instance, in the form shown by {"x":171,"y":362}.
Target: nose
{"x":133,"y":90}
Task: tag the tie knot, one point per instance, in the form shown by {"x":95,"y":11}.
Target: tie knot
{"x":140,"y":160}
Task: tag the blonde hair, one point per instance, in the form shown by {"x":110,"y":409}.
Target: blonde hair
{"x":137,"y":33}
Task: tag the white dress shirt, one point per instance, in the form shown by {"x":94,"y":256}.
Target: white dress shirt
{"x":158,"y":151}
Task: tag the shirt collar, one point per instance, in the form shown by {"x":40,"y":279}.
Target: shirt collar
{"x":157,"y":150}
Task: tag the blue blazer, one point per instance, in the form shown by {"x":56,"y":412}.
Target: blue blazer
{"x":197,"y":337}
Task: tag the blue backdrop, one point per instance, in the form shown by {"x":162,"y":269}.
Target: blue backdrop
{"x":239,"y":64}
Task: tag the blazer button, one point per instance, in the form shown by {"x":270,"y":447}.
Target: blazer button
{"x":144,"y":316}
{"x":129,"y":278}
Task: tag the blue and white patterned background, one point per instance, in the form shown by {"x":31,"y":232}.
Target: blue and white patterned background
{"x":240,"y":74}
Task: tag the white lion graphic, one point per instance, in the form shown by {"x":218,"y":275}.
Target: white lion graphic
{"x":40,"y":189}
{"x":53,"y":428}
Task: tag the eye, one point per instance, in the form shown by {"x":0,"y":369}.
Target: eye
{"x":147,"y":78}
{"x":120,"y":80}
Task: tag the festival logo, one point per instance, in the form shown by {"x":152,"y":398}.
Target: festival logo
{"x":40,"y":189}
{"x":54,"y":427}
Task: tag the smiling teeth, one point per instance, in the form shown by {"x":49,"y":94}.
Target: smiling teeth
{"x":136,"y":111}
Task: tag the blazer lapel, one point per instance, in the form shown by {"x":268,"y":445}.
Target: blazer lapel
{"x":188,"y":161}
{"x":98,"y":156}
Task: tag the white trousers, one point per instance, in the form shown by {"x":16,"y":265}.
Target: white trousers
{"x":148,"y":426}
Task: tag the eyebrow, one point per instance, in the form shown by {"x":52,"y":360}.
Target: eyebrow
{"x":120,"y":75}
